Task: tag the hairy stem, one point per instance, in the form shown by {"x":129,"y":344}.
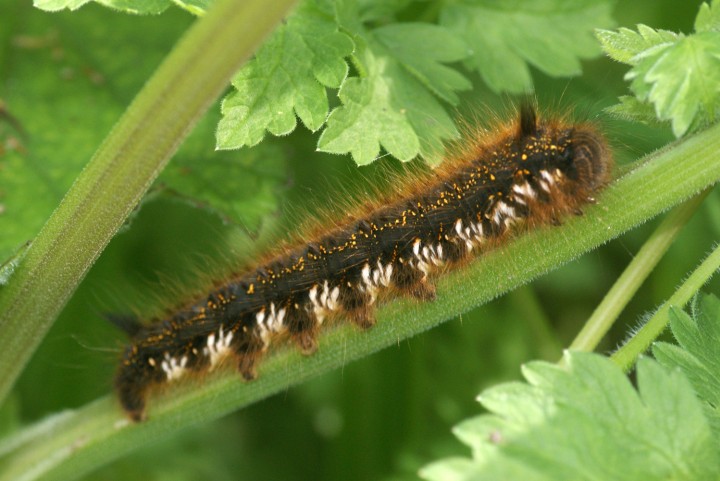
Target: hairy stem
{"x":126,"y":163}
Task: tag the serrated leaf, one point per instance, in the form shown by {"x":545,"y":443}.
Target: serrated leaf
{"x":699,"y":353}
{"x":624,"y":44}
{"x":507,"y":37}
{"x":387,"y":108}
{"x":528,"y":405}
{"x":684,"y":81}
{"x":452,"y":469}
{"x":286,"y":78}
{"x":589,"y":423}
{"x":391,"y":104}
{"x":679,"y":75}
{"x":708,"y":17}
{"x":365,"y":121}
{"x":140,"y":7}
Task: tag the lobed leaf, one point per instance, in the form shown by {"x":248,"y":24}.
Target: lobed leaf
{"x":508,"y":37}
{"x":698,"y":352}
{"x":587,"y":422}
{"x":678,"y":75}
{"x":387,"y":108}
{"x":287,"y":77}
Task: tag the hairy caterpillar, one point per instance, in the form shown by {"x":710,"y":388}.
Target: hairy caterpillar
{"x":531,"y":172}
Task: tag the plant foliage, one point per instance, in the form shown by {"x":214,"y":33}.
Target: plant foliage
{"x":586,"y":421}
{"x":678,"y":75}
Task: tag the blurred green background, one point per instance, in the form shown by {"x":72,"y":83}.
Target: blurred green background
{"x":384,"y":416}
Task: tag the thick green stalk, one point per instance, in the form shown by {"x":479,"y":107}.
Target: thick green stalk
{"x":98,"y":433}
{"x":132,"y":155}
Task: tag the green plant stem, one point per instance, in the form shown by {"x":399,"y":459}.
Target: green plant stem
{"x":635,"y":274}
{"x":191,"y":77}
{"x":98,"y":433}
{"x":626,"y":356}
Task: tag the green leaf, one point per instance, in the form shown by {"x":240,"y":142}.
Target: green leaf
{"x":678,"y":75}
{"x":437,"y":45}
{"x":141,"y":7}
{"x":587,"y":422}
{"x":625,"y":44}
{"x":286,"y":78}
{"x":56,"y":5}
{"x":380,"y":11}
{"x":391,"y":104}
{"x":388,"y":108}
{"x":708,"y":18}
{"x":698,"y":353}
{"x":507,"y":37}
{"x":682,"y":81}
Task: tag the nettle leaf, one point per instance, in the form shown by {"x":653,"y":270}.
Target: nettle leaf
{"x":507,"y":37}
{"x":141,"y":7}
{"x":698,"y":353}
{"x":586,"y":421}
{"x":287,"y":77}
{"x":678,"y":75}
{"x":393,"y":104}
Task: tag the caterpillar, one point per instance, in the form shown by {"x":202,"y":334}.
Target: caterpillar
{"x":533,"y":171}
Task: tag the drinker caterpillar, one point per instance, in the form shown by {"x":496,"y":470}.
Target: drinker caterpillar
{"x":531,"y":172}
